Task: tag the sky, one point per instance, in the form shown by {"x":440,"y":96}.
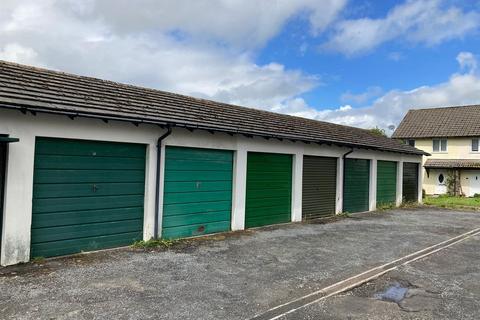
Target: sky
{"x":353,"y":62}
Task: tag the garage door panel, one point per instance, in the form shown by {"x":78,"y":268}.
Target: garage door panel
{"x":386,"y":182}
{"x":181,"y":153}
{"x":319,"y":187}
{"x":197,"y":191}
{"x":195,"y":186}
{"x":87,"y":203}
{"x":195,"y":230}
{"x":86,"y":230}
{"x":268,"y":160}
{"x":198,"y":164}
{"x":190,"y":175}
{"x":77,"y":195}
{"x":88,"y":176}
{"x":410,"y":181}
{"x":268,"y":220}
{"x":88,"y":162}
{"x":65,"y":147}
{"x":88,"y":216}
{"x":196,"y":218}
{"x":268,"y":202}
{"x":273,"y":193}
{"x":268,"y":198}
{"x":85,"y":189}
{"x":196,"y":197}
{"x":58,"y":248}
{"x":357,"y":184}
{"x":263,"y":183}
{"x":180,"y":208}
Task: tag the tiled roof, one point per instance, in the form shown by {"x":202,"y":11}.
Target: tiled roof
{"x":452,"y":163}
{"x":39,"y":90}
{"x":462,"y":121}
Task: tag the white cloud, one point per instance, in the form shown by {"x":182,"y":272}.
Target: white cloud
{"x":237,"y":22}
{"x":467,"y":61}
{"x":16,"y":52}
{"x":363,"y":97}
{"x":459,"y":89}
{"x":429,"y":22}
{"x":204,"y":48}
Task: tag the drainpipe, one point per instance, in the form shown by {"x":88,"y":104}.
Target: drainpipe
{"x":343,"y":184}
{"x":157,"y":180}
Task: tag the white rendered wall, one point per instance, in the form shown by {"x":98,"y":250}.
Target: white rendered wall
{"x":400,"y":182}
{"x":19,"y":185}
{"x":19,"y":178}
{"x":373,"y":185}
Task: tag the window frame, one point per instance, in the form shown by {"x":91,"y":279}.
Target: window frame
{"x":441,"y":142}
{"x":478,"y":145}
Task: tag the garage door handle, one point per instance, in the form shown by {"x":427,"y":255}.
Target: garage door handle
{"x":94,"y":188}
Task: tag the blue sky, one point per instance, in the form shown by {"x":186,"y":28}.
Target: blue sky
{"x":360,"y":63}
{"x":397,"y":64}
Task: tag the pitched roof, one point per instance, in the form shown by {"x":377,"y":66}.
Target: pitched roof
{"x":39,"y":90}
{"x":452,"y":163}
{"x":460,"y":121}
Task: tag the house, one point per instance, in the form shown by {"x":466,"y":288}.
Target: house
{"x":451,"y":136}
{"x":88,"y":164}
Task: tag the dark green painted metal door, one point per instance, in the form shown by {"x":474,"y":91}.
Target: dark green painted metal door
{"x":86,"y":196}
{"x":319,"y":188}
{"x":198,"y":192}
{"x":410,"y":182}
{"x":269,"y":189}
{"x":356,"y":185}
{"x":386,"y":182}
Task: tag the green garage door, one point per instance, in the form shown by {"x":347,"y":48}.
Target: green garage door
{"x":386,"y":182}
{"x":269,"y":189}
{"x":86,"y":196}
{"x":356,"y":185}
{"x":410,"y":182}
{"x":319,"y":188}
{"x":198,"y":192}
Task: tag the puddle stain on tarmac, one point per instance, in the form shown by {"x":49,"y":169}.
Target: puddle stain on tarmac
{"x":395,"y":293}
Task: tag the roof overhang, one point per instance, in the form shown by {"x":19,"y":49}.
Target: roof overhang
{"x":452,"y":164}
{"x":164,"y":124}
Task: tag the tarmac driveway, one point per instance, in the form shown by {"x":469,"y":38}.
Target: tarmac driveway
{"x":243,"y":274}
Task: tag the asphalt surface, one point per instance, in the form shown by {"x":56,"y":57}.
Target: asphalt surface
{"x":446,"y":285}
{"x":239,"y":275}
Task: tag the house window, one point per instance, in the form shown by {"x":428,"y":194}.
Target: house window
{"x":475,"y":145}
{"x":411,"y":142}
{"x":439,"y":145}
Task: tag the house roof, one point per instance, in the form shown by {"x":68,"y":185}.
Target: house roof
{"x":452,"y":163}
{"x":461,"y":121}
{"x":39,"y":90}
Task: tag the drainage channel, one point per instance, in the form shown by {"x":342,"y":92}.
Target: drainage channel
{"x":352,"y":282}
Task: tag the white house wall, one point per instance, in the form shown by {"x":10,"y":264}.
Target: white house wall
{"x":20,"y":167}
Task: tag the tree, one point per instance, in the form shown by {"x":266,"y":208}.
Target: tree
{"x":378,"y":132}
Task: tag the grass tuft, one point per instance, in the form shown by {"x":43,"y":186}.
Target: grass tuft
{"x":343,"y":215}
{"x":38,"y":259}
{"x":154,"y":243}
{"x":385,"y":206}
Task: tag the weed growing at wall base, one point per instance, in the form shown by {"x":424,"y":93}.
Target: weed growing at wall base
{"x":154,"y":243}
